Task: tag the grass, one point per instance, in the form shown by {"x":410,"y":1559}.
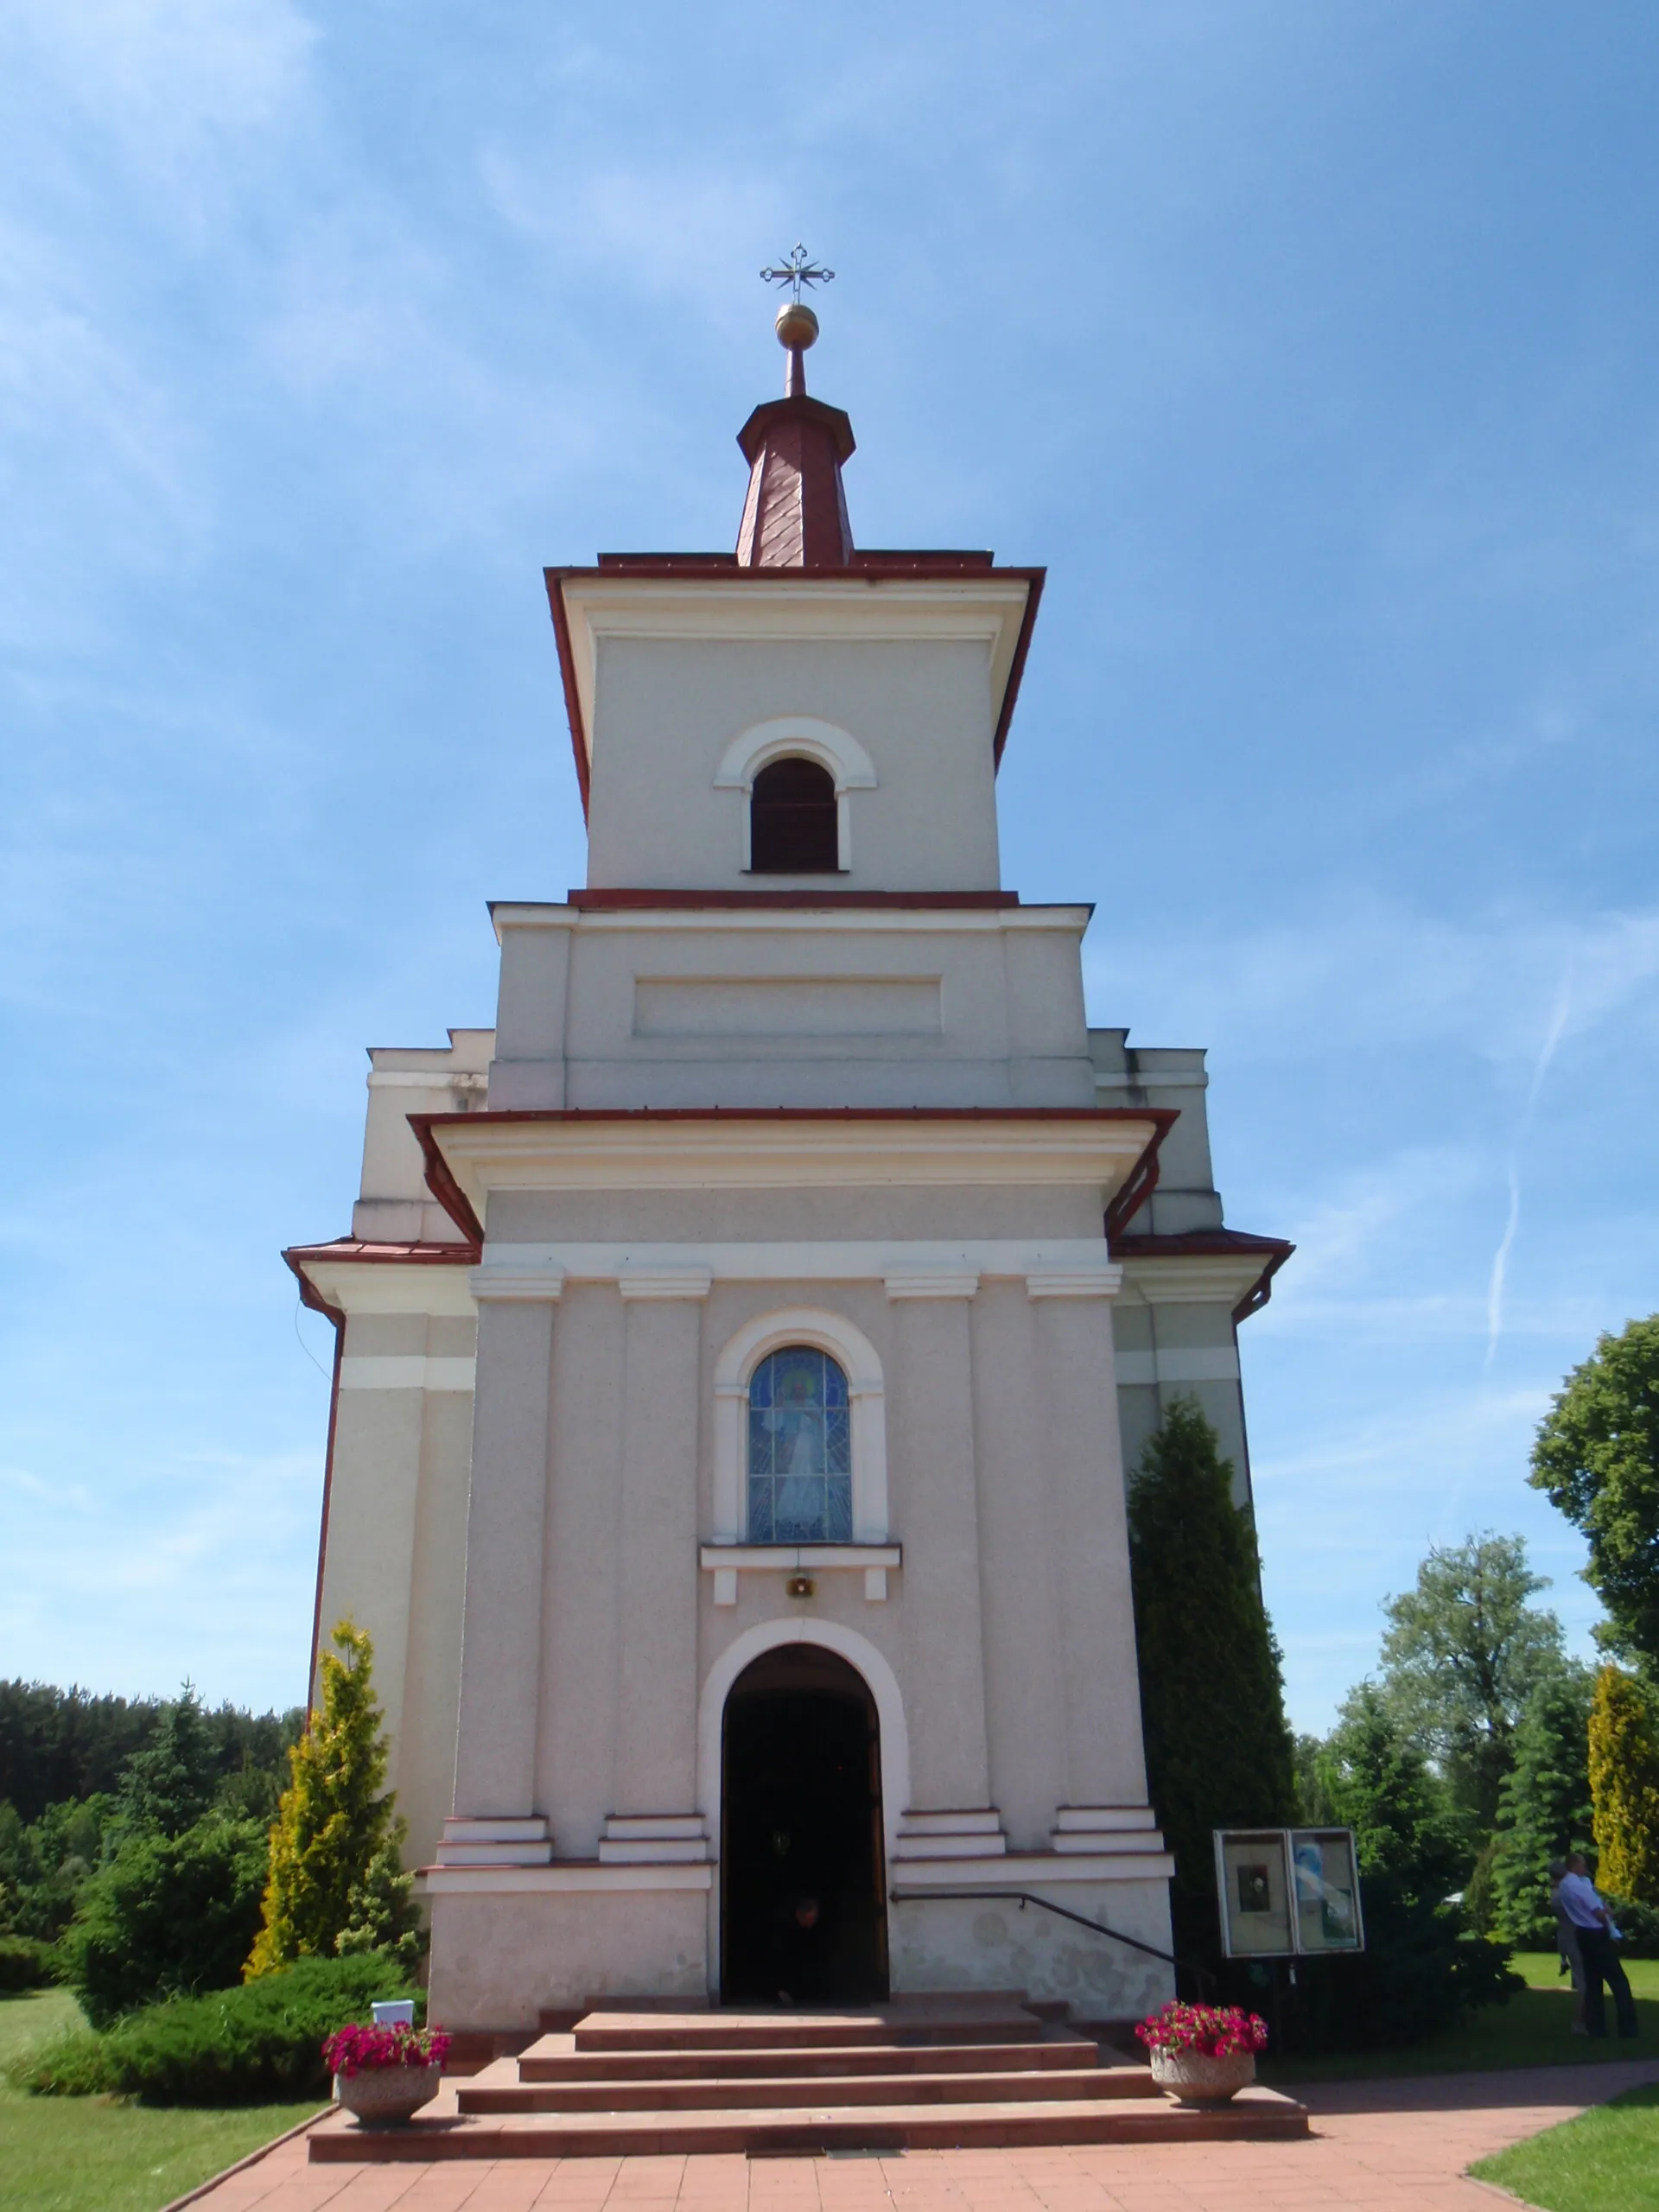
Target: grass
{"x":1606,"y":2160}
{"x":105,"y":2154}
{"x":1533,"y":2029}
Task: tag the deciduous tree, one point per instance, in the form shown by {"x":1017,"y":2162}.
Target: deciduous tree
{"x":1596,"y":1455}
{"x":1464,"y":1651}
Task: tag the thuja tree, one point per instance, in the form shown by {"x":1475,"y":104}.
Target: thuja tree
{"x":1544,"y":1807}
{"x":1218,"y":1752}
{"x":1624,"y":1786}
{"x":336,"y":1883}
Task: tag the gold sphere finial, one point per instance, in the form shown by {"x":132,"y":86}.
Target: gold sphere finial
{"x":796,"y":324}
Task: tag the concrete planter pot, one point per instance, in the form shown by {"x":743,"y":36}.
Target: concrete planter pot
{"x":387,"y":2096}
{"x":1193,"y":2078}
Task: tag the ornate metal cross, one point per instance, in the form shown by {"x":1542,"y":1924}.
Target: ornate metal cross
{"x":795,"y":270}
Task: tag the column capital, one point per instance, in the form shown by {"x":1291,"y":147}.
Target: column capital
{"x":666,"y":1283}
{"x":932,"y":1282}
{"x":546,"y":1283}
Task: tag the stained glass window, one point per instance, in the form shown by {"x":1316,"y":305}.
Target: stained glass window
{"x":800,"y":1450}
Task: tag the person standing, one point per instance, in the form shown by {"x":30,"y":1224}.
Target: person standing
{"x":1566,"y":1944}
{"x":1593,"y":1922}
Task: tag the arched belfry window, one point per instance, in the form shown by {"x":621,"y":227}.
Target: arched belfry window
{"x":793,"y":825}
{"x":800,"y":1453}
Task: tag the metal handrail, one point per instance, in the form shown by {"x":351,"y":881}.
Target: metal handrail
{"x":1202,"y":1975}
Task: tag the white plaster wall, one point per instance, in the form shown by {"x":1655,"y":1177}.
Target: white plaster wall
{"x":394,"y":1560}
{"x":498,"y":1960}
{"x":394,"y":1204}
{"x":667,"y":708}
{"x":976,"y":1009}
{"x":965,"y":1943}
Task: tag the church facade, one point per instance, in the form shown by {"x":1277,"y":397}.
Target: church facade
{"x":741,"y":1346}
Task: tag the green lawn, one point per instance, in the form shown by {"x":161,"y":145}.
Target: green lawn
{"x":1606,"y":2160}
{"x":99,"y":2154}
{"x":1533,"y":2029}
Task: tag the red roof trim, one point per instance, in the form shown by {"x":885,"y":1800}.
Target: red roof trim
{"x":430,"y":1252}
{"x":604,"y":900}
{"x":929,"y":569}
{"x":1215,"y":1244}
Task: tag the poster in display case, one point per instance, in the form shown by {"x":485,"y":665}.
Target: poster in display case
{"x":1287,"y":1892}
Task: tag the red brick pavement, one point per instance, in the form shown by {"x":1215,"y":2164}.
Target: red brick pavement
{"x":1378,"y":2147}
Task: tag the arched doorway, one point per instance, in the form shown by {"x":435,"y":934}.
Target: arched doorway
{"x":801,"y":1829}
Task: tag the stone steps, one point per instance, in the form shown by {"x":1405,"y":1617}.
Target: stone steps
{"x":554,"y":2058}
{"x":718,"y":2093}
{"x":804,"y":2132}
{"x":922,"y":2075}
{"x":961,"y":2021}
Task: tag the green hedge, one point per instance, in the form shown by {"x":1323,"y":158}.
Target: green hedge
{"x":254,"y":2044}
{"x":25,"y":1964}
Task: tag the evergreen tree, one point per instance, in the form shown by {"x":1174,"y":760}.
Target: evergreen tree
{"x":1421,"y":1970}
{"x":169,"y":1916}
{"x":1544,"y":1811}
{"x":1218,"y":1751}
{"x":336,"y":1836}
{"x":1464,"y":1651}
{"x":1596,"y":1455}
{"x":169,"y":1784}
{"x":1624,"y":1786}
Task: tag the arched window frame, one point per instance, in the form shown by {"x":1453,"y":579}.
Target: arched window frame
{"x":799,"y":737}
{"x":867,"y":1397}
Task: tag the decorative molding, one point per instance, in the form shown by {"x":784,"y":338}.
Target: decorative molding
{"x":583,"y":1875}
{"x":491,"y":1280}
{"x":796,"y":736}
{"x":1193,"y":1280}
{"x":727,"y":1561}
{"x":1029,"y":1870}
{"x":829,"y":1635}
{"x":413,"y":1290}
{"x":802,"y":918}
{"x":866,"y":1387}
{"x":828,"y":1260}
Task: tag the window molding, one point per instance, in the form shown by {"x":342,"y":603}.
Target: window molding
{"x":802,"y":737}
{"x":867,"y":1397}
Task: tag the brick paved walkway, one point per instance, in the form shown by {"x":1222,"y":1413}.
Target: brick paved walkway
{"x":1378,"y":2147}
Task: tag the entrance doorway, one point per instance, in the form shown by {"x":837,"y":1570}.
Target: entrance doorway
{"x":802,"y":1893}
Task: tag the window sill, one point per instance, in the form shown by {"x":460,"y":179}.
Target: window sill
{"x":726,"y":1561}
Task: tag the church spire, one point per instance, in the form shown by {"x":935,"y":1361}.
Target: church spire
{"x":795,"y":516}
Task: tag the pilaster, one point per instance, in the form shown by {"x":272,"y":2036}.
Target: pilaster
{"x":501,"y":1632}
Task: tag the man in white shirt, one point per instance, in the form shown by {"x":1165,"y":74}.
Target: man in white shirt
{"x":1582,"y":1905}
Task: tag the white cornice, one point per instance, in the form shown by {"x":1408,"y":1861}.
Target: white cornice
{"x":816,"y":921}
{"x":388,"y":1286}
{"x":860,"y":604}
{"x":1084,"y":1258}
{"x":486,"y":1153}
{"x":1194,"y":1279}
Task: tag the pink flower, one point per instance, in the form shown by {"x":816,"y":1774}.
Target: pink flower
{"x":353,"y":2050}
{"x":1211,"y":2031}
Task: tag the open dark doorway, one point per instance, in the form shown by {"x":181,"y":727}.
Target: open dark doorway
{"x":803,"y":1908}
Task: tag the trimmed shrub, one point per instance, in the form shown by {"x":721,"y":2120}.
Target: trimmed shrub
{"x":169,"y":1917}
{"x":257,"y":2044}
{"x":25,"y":1964}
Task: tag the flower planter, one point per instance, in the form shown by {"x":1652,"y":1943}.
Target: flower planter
{"x":388,"y":2096}
{"x":1192,"y":2078}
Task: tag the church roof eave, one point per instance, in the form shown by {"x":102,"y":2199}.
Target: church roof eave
{"x":910,"y":579}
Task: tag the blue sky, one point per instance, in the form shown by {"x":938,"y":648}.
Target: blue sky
{"x":1311,"y":348}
